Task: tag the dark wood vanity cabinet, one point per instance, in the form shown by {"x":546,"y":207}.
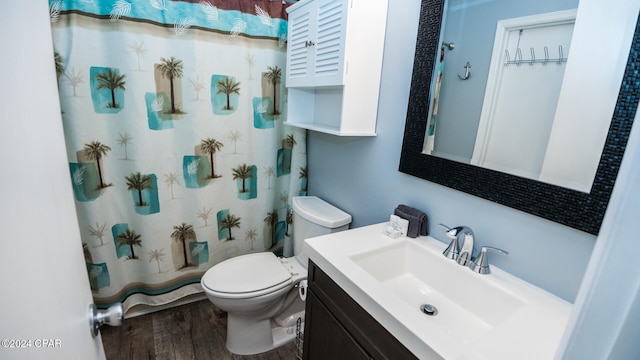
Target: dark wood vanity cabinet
{"x":336,"y":327}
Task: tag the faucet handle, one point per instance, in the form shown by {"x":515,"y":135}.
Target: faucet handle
{"x":451,"y":252}
{"x":451,"y":232}
{"x":481,"y":263}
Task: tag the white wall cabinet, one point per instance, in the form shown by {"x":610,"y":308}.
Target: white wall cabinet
{"x":334,"y":63}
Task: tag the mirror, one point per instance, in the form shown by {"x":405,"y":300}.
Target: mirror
{"x":502,"y":117}
{"x":582,"y":210}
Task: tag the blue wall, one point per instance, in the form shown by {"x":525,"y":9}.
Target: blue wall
{"x":360,"y":176}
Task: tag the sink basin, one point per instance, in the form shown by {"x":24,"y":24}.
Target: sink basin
{"x":467,"y":305}
{"x":481,"y":317}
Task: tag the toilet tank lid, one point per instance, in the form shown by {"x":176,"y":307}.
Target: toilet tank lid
{"x":320,"y":212}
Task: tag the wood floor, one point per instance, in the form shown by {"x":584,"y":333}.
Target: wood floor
{"x":194,"y":331}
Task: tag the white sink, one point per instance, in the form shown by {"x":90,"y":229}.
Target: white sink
{"x":467,"y":304}
{"x":494,"y":316}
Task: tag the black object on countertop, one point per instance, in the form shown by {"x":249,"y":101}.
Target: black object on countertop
{"x":418,"y":220}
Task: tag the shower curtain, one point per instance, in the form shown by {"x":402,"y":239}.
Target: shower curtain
{"x":179,"y":159}
{"x":433,"y":114}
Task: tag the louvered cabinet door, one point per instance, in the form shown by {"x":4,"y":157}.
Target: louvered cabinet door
{"x":328,"y":60}
{"x":298,"y":49}
{"x":315,"y":51}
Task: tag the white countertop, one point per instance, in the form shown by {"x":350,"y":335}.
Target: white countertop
{"x":532,"y":333}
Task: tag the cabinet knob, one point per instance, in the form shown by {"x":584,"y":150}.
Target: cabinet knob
{"x":309,"y":43}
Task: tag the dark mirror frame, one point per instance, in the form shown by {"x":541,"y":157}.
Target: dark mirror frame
{"x":579,"y":210}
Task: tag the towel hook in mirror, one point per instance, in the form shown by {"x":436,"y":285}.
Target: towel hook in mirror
{"x":467,"y":73}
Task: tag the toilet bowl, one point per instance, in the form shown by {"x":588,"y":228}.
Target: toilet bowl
{"x":258,"y":291}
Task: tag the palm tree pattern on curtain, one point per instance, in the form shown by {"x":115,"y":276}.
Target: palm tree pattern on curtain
{"x":174,"y":123}
{"x":96,"y":151}
{"x":138,"y":182}
{"x":274,"y":77}
{"x":171,"y":69}
{"x":228,"y":87}
{"x":131,"y":238}
{"x":113,"y":81}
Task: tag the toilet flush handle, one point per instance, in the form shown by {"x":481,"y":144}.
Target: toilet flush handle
{"x":302,"y":289}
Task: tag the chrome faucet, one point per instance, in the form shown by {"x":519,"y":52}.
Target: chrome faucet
{"x":466,"y":250}
{"x":463,"y":254}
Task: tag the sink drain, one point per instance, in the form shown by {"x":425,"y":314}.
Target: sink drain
{"x":429,"y":309}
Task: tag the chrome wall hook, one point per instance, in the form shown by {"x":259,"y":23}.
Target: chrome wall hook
{"x":467,"y":73}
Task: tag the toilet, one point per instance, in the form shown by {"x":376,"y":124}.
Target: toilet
{"x":258,"y":291}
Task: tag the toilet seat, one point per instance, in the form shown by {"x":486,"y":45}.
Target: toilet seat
{"x":247,"y":276}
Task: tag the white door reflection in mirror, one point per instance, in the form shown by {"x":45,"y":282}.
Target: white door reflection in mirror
{"x":524,"y":81}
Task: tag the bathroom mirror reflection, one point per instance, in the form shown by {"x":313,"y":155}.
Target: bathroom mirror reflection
{"x":496,"y":84}
{"x":581,"y":99}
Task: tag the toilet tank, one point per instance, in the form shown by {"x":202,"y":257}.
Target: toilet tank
{"x":312,"y":217}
